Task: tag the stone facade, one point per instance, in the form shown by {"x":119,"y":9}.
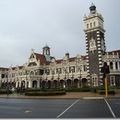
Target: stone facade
{"x":40,"y":73}
{"x":44,"y":71}
{"x":95,"y":45}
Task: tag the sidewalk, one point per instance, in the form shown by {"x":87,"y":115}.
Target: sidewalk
{"x":68,"y":95}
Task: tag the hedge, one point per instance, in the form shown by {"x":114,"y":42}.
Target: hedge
{"x":109,"y":92}
{"x":32,"y":89}
{"x":4,"y":91}
{"x":84,"y":89}
{"x":45,"y":93}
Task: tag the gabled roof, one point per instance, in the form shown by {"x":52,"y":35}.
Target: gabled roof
{"x":41,"y":58}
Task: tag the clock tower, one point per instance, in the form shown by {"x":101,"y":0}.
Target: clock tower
{"x":95,"y":45}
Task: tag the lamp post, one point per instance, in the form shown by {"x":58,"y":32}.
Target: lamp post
{"x":72,"y":76}
{"x":26,"y":78}
{"x":64,"y":69}
{"x":58,"y":77}
{"x":52,"y":74}
{"x":80,"y":76}
{"x":7,"y":87}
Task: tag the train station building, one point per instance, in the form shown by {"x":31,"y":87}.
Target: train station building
{"x":44,"y":71}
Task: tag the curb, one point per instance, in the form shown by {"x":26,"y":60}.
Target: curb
{"x":49,"y":97}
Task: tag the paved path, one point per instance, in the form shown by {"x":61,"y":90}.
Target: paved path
{"x":68,"y":95}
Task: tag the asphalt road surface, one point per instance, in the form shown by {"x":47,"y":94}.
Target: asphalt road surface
{"x":59,"y":108}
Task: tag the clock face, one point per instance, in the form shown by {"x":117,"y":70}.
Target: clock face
{"x":92,"y":45}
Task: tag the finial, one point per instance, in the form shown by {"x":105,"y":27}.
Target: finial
{"x":92,"y":8}
{"x":92,"y":4}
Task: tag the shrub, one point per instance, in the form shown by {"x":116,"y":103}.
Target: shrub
{"x":32,"y":89}
{"x":109,"y":92}
{"x":5,"y":91}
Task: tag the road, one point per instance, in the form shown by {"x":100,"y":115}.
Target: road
{"x":59,"y":108}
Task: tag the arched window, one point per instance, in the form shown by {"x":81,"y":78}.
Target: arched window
{"x":31,"y":73}
{"x":90,"y":25}
{"x":116,"y":65}
{"x":87,"y":25}
{"x":95,"y":80}
{"x":94,"y":24}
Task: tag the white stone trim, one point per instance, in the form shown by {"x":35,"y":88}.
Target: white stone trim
{"x":98,"y":38}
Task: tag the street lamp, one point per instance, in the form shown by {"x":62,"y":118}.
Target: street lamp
{"x":52,"y":74}
{"x":79,"y":68}
{"x":72,"y":75}
{"x":58,"y":76}
{"x":65,"y":71}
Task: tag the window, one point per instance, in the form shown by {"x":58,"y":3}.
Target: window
{"x":85,"y":68}
{"x":112,"y":80}
{"x":31,"y":73}
{"x":32,"y":64}
{"x":94,"y":80}
{"x":116,"y":65}
{"x":90,"y":25}
{"x":111,"y":65}
{"x":87,"y":25}
{"x":58,"y":70}
{"x":41,"y":71}
{"x":94,"y":24}
{"x":47,"y":71}
{"x":32,"y":56}
{"x":3,"y":75}
{"x":72,"y":69}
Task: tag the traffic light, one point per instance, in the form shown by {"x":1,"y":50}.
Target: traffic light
{"x":105,"y":69}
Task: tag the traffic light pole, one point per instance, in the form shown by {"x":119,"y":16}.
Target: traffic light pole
{"x":106,"y":86}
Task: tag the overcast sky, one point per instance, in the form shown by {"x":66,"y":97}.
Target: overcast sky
{"x":27,"y":24}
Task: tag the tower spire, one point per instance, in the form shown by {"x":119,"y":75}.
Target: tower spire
{"x":46,"y":52}
{"x":92,"y":8}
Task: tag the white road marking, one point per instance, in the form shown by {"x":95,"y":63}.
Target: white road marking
{"x":87,"y":98}
{"x":27,"y":111}
{"x":67,"y":109}
{"x":110,"y":109}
